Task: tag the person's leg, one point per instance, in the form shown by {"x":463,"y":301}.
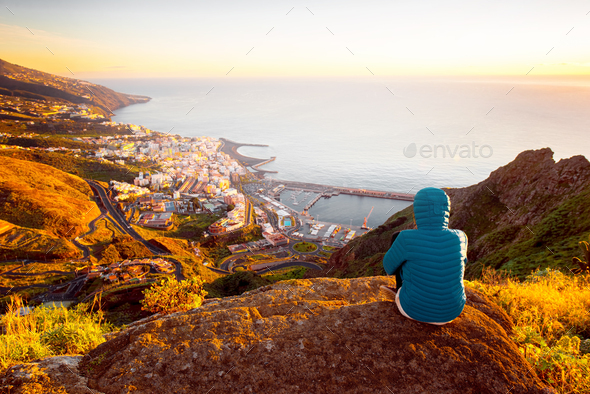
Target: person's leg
{"x":401,"y":310}
{"x":399,"y":306}
{"x":398,"y":279}
{"x":388,"y":292}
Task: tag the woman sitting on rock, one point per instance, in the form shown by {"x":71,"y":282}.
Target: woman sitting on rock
{"x":428,"y":262}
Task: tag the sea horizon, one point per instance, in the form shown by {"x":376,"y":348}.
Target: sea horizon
{"x":357,"y":133}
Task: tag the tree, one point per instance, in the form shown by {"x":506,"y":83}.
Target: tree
{"x":196,"y":202}
{"x":109,"y":255}
{"x":169,"y":296}
{"x":230,"y":207}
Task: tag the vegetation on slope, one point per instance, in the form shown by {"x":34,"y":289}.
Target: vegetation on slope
{"x":169,"y":296}
{"x":553,"y":241}
{"x":192,"y":265}
{"x":48,"y":332}
{"x":123,"y":247}
{"x":47,"y":142}
{"x":79,"y":166}
{"x":40,"y":85}
{"x":185,"y":227}
{"x":60,"y":127}
{"x":40,"y":197}
{"x":551,"y":322}
{"x":23,"y":243}
{"x":235,"y":284}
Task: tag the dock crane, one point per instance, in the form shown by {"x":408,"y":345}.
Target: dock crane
{"x":364,"y":226}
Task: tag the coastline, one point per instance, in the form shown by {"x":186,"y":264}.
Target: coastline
{"x":132,"y":99}
{"x":231,"y":148}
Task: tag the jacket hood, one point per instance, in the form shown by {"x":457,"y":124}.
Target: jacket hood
{"x":431,"y":208}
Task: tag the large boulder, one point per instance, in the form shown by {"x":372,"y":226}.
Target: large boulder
{"x":321,"y":335}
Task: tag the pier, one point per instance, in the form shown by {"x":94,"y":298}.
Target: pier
{"x":310,"y":204}
{"x":255,"y":166}
{"x":330,"y":191}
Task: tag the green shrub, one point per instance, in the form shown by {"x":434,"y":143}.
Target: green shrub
{"x":236,"y":283}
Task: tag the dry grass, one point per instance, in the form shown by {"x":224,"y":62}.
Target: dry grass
{"x":550,"y":310}
{"x":19,"y":281}
{"x":41,"y":197}
{"x":47,"y":332}
{"x":35,"y":268}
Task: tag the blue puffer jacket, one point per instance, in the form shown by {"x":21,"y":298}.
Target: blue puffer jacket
{"x":432,"y":260}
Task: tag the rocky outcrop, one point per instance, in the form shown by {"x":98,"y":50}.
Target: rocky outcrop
{"x":519,"y":194}
{"x":322,"y":335}
{"x":525,"y":215}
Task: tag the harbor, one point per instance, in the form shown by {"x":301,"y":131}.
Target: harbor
{"x":331,"y":191}
{"x":326,"y":192}
{"x":336,"y":204}
{"x":330,"y":233}
{"x":350,"y":211}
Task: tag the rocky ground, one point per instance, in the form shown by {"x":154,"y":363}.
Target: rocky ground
{"x":302,"y":336}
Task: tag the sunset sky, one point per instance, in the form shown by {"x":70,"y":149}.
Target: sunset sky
{"x":292,"y":38}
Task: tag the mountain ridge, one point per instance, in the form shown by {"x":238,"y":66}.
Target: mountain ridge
{"x":25,"y":82}
{"x":514,"y":222}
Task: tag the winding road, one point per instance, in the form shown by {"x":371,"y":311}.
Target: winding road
{"x":109,"y":213}
{"x":122,"y":224}
{"x":293,"y":263}
{"x":119,"y":221}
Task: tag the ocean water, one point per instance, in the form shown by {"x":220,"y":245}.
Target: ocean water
{"x":399,"y":134}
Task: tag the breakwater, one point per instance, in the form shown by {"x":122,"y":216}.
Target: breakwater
{"x":329,"y":191}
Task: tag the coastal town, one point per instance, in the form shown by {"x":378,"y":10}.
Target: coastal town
{"x":298,"y":206}
{"x":184,"y":179}
{"x":170,"y":205}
